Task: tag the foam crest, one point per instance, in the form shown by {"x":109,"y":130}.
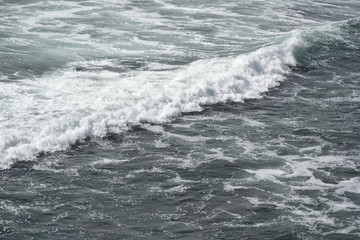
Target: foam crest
{"x":55,"y":111}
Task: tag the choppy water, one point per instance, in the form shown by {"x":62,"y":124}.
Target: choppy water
{"x":160,"y":119}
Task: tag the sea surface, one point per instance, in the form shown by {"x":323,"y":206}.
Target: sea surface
{"x":180,"y":119}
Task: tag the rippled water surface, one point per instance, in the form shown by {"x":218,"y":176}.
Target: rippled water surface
{"x":162,"y":119}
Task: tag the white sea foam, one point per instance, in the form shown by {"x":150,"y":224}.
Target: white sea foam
{"x":218,"y":154}
{"x":105,"y":161}
{"x":54,"y":111}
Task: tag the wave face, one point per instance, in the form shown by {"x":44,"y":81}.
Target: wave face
{"x":57,"y":90}
{"x":55,"y":110}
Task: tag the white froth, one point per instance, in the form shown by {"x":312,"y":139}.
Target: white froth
{"x":54,"y":111}
{"x":218,"y":154}
{"x":105,"y":161}
{"x":228,"y":187}
{"x":267,"y":174}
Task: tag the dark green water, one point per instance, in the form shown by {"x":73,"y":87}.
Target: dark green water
{"x":282,"y":167}
{"x":281,"y":164}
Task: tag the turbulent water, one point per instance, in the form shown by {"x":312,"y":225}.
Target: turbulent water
{"x":164,"y":119}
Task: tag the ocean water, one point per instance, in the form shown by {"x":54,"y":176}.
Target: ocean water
{"x":164,"y":119}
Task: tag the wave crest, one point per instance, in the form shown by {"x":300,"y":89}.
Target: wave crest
{"x":55,"y":111}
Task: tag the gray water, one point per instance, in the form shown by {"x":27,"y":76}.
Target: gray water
{"x":179,"y":120}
